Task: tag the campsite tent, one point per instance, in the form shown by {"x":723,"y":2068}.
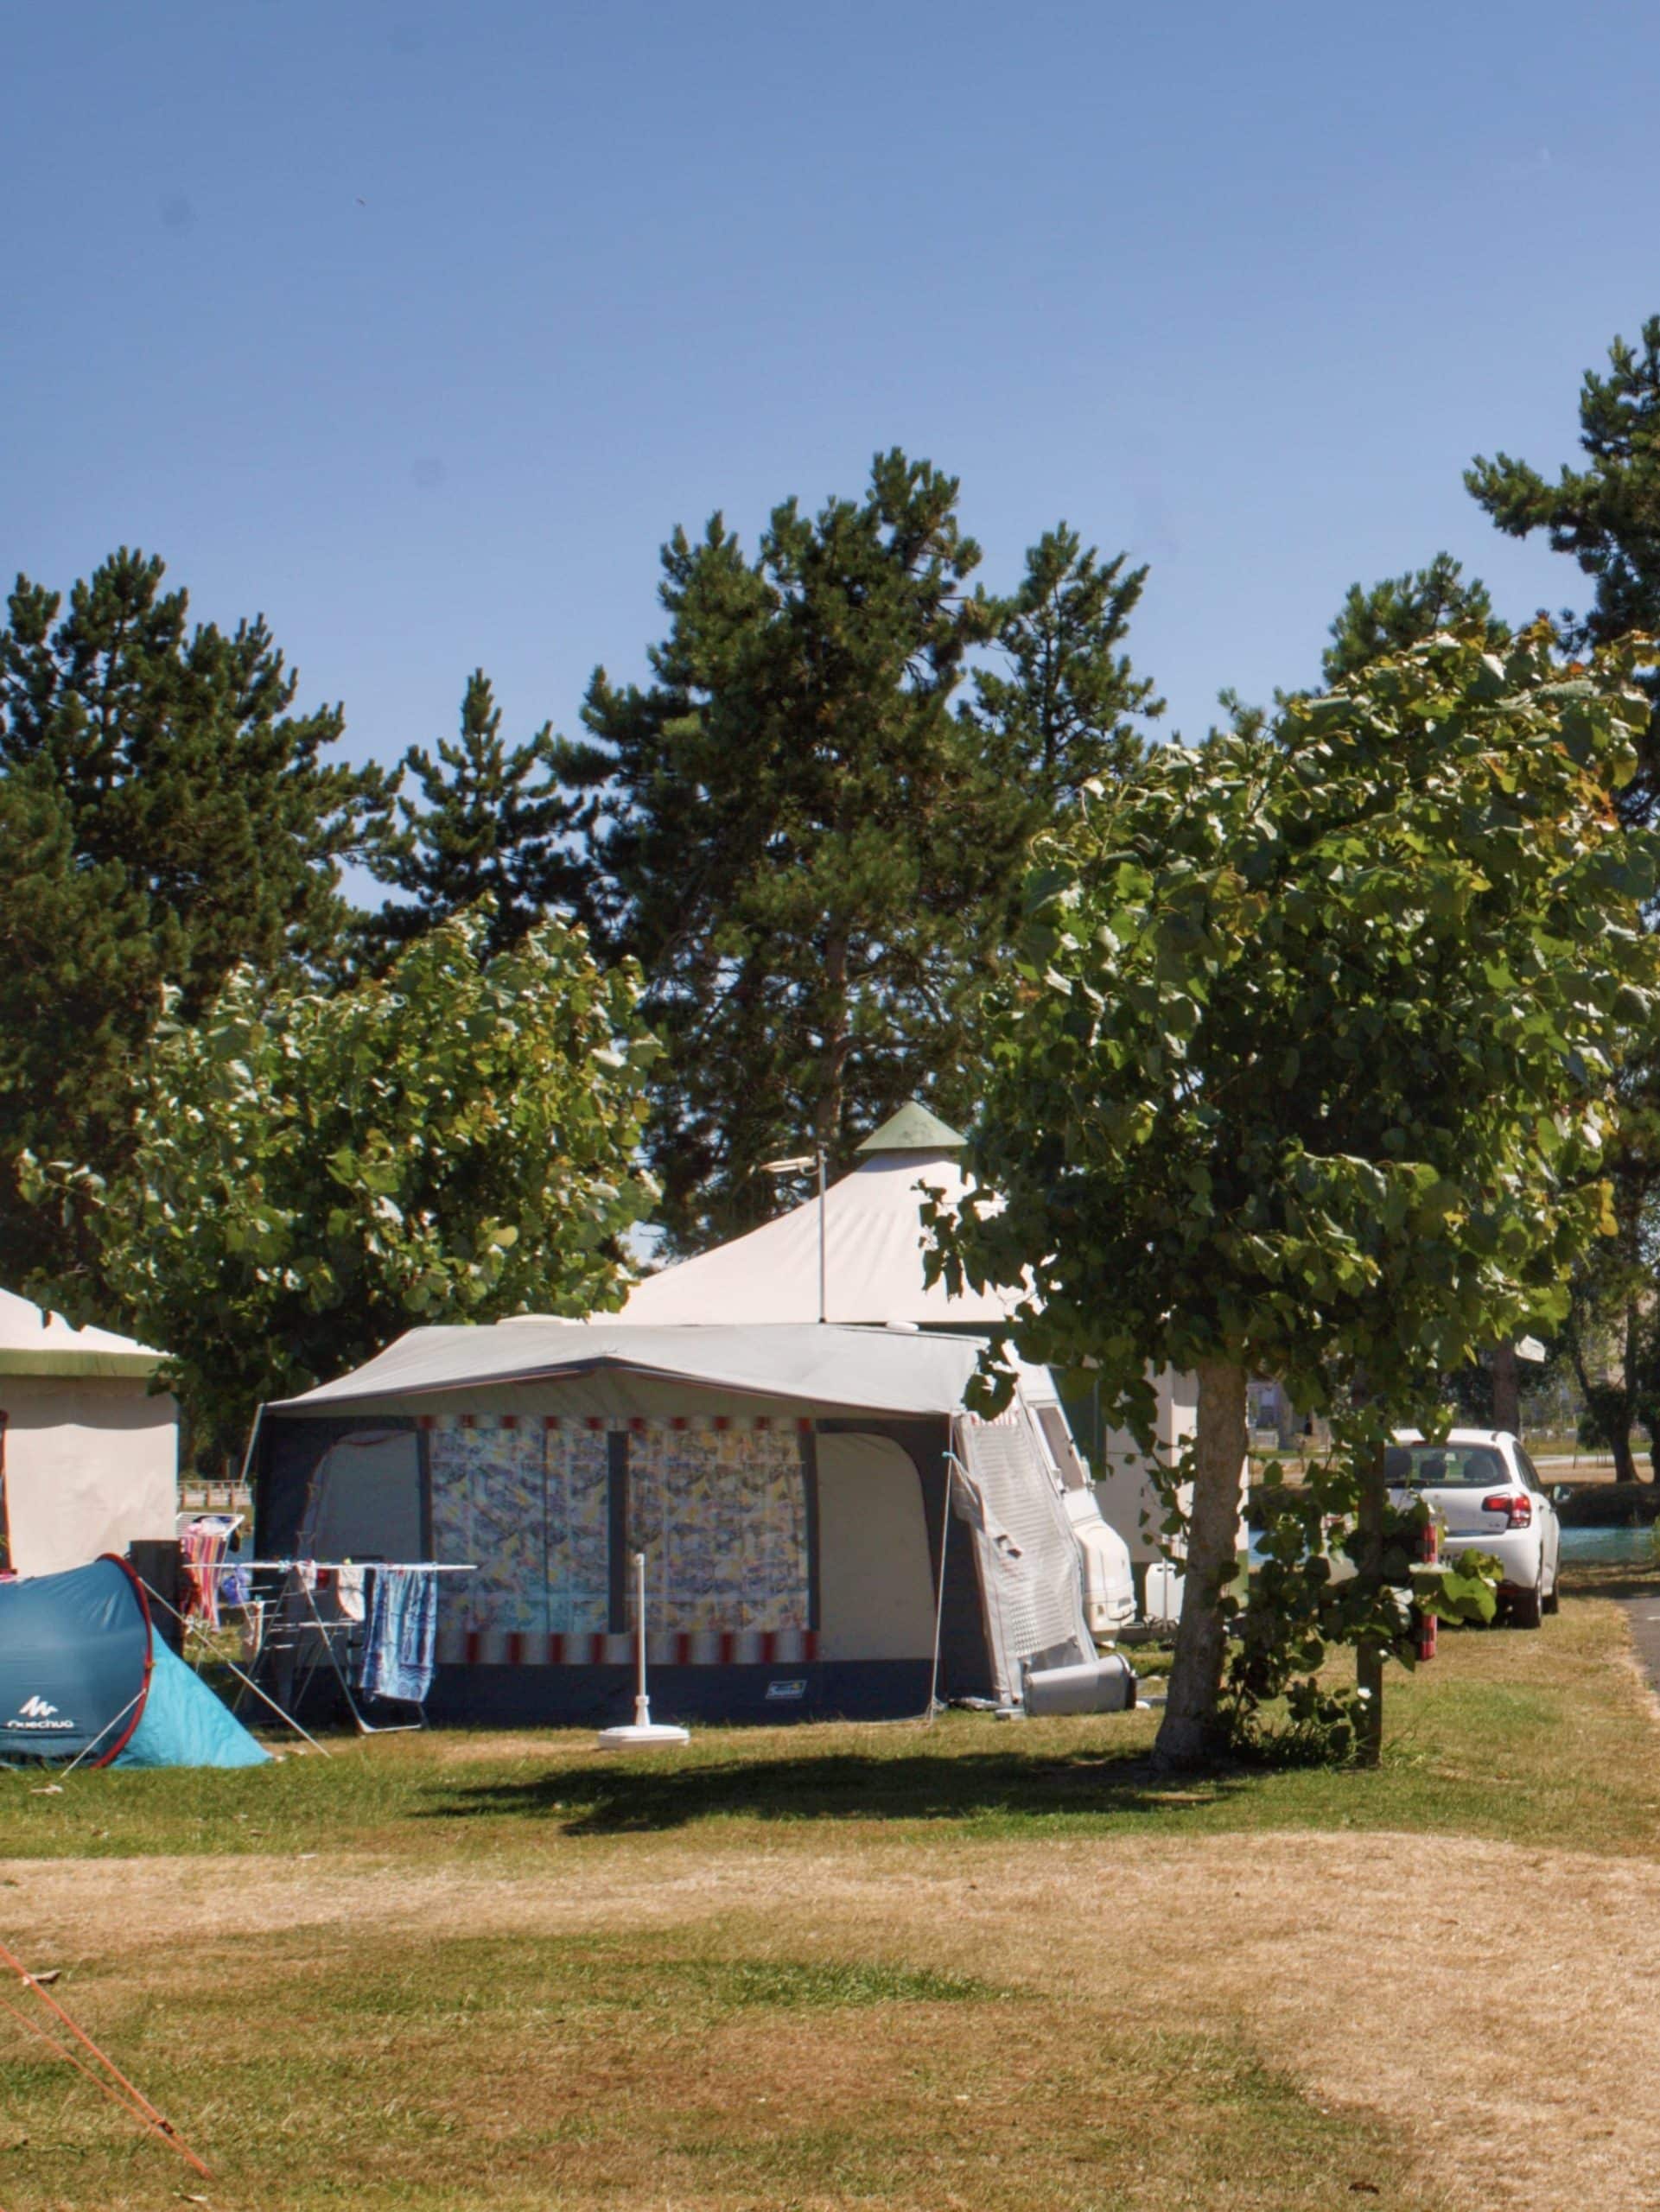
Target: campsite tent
{"x":875,"y":1248}
{"x":85,"y":1680}
{"x":874,"y":1261}
{"x":89,"y":1452}
{"x":788,"y":1484}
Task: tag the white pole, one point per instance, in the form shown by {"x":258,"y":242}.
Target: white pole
{"x":643,"y":1730}
{"x":823,"y":1301}
{"x":642,"y":1704}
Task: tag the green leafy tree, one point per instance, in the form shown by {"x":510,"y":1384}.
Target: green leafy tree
{"x":492,"y":822}
{"x":175,"y":818}
{"x":807,"y":846}
{"x":1605,"y":516}
{"x":315,"y":1172}
{"x":1304,"y":1072}
{"x":1404,"y":610}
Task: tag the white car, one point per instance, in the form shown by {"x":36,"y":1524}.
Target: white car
{"x":1489,"y":1497}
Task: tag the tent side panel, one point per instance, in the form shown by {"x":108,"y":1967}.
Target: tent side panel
{"x":965,"y":1666}
{"x":301,"y":1479}
{"x":876,"y":1574}
{"x":185,"y":1725}
{"x":91,"y":1466}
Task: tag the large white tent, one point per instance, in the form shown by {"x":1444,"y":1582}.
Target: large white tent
{"x":89,"y":1452}
{"x":871,"y":1243}
{"x":873,"y":1248}
{"x":826,"y":1529}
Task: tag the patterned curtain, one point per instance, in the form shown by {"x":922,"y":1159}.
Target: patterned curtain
{"x":527,"y":1502}
{"x":721,"y":1517}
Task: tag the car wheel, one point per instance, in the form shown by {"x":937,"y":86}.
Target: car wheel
{"x":1554,"y":1603}
{"x":1528,"y":1606}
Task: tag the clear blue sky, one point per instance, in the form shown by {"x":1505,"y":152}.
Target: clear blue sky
{"x":418,"y":326}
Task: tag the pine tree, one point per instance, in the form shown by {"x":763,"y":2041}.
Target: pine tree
{"x":1605,"y":515}
{"x":492,"y":822}
{"x":791,"y":842}
{"x":1403,"y":611}
{"x":1067,"y":705}
{"x":810,"y":838}
{"x":164,"y":817}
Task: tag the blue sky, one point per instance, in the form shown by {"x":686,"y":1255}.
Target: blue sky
{"x":416,"y":326}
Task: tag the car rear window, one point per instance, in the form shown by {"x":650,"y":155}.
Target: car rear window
{"x":1445,"y":1466}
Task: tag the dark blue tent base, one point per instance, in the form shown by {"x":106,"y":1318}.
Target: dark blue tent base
{"x":570,"y":1697}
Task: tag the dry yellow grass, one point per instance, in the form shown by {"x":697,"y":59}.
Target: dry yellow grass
{"x":717,"y":2012}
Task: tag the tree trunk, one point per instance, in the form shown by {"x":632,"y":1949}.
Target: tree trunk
{"x":1190,"y":1733}
{"x":1370,"y":1651}
{"x":1619,"y":1441}
{"x":1507,"y":1389}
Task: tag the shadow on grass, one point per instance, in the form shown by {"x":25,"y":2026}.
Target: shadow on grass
{"x":618,"y":1800}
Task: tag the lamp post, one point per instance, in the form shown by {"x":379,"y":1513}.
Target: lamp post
{"x":797,"y":1165}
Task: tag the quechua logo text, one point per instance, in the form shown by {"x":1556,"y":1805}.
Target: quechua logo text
{"x":36,"y":1714}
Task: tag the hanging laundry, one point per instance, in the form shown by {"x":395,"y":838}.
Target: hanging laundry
{"x":399,"y":1638}
{"x":201,"y":1547}
{"x":348,"y":1592}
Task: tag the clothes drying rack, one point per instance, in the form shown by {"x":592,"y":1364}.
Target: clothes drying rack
{"x":295,"y":1634}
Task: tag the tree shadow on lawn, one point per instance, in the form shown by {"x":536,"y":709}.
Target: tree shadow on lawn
{"x":589,"y":1800}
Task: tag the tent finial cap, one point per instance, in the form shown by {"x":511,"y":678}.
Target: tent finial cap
{"x":913,"y":1129}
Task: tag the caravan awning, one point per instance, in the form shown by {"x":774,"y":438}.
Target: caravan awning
{"x":867,"y":1370}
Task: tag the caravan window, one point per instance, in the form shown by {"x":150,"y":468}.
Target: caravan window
{"x":1058,"y":1437}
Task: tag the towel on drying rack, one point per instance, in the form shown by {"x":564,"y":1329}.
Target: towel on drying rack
{"x":400,"y":1635}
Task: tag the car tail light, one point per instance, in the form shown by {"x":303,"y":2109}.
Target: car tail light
{"x":1515,"y":1505}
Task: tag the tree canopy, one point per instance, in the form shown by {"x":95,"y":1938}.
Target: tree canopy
{"x":1605,"y":516}
{"x":1404,"y":610}
{"x":313,"y":1172}
{"x":1305,"y":1069}
{"x":164,"y":816}
{"x":492,"y":822}
{"x":807,"y":831}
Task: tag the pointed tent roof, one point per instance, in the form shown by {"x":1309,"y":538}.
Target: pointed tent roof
{"x":913,"y":1129}
{"x":875,"y":1249}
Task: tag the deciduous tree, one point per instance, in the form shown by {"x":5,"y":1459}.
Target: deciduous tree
{"x":1305,"y":1069}
{"x":314,"y":1172}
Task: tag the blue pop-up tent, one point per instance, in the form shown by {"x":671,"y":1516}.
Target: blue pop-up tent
{"x":85,"y":1679}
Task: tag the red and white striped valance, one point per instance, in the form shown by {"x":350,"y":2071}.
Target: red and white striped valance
{"x":634,"y":1424}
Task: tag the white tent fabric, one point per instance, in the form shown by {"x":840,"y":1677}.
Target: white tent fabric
{"x":36,"y":1342}
{"x":865,"y":1370}
{"x":874,"y":1252}
{"x":90,"y":1453}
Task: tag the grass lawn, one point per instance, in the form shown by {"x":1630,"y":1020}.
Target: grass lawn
{"x":983,"y":1964}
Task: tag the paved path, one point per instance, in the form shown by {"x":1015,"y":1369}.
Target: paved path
{"x":1644,"y":1614}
